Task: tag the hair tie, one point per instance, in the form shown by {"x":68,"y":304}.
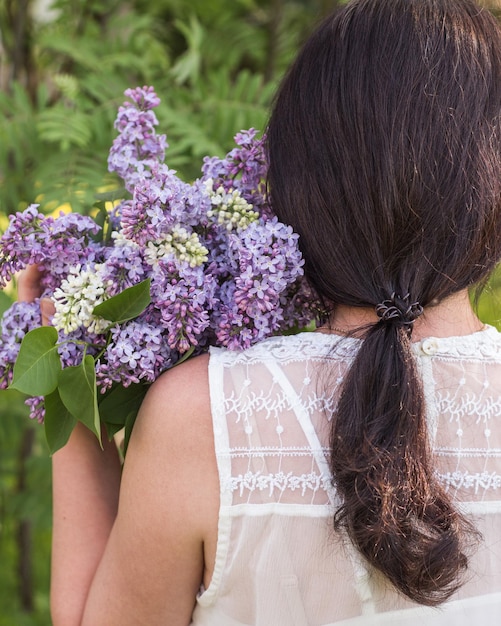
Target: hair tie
{"x":399,"y":310}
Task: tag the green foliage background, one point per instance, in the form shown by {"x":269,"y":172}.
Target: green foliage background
{"x":64,"y":66}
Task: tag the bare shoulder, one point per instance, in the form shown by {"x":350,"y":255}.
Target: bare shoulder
{"x":174,"y":425}
{"x":173,"y":438}
{"x":178,"y":401}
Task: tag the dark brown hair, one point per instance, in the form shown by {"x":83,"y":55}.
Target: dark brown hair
{"x":385,"y":156}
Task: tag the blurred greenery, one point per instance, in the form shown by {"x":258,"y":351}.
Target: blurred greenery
{"x":25,"y":516}
{"x":64,"y":66}
{"x":215,"y":65}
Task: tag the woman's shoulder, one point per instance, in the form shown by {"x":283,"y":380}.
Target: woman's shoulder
{"x":173,"y":428}
{"x":181,"y":389}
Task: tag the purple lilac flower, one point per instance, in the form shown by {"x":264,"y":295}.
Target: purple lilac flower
{"x":223,"y":260}
{"x":184,"y":297}
{"x":18,"y":320}
{"x":231,"y":325}
{"x":123,"y":267}
{"x":137,"y":149}
{"x":223,"y":270}
{"x":162,"y":201}
{"x":73,"y":346}
{"x":252,"y":302}
{"x":37,"y":408}
{"x":68,"y":243}
{"x":137,"y":353}
{"x":55,"y":244}
{"x":20,"y":244}
{"x":301,"y":306}
{"x":244,"y":168}
{"x":269,"y":261}
{"x":150,"y":212}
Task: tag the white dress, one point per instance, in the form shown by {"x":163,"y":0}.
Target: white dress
{"x":279,"y":562}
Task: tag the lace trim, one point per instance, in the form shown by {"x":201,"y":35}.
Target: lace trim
{"x":257,"y":481}
{"x":275,"y":404}
{"x":307,"y":345}
{"x":314,"y":481}
{"x":470,"y":404}
{"x":271,"y":451}
{"x":475,"y":347}
{"x":473,"y":453}
{"x":484,"y":481}
{"x":292,"y":348}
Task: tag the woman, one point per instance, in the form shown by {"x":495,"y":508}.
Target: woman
{"x":350,"y":475}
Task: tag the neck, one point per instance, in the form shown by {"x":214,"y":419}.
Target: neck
{"x":453,"y":316}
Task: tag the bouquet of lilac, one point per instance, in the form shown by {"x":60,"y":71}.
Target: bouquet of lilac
{"x":171,"y":270}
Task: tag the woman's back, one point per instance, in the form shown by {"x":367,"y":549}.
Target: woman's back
{"x":279,"y":561}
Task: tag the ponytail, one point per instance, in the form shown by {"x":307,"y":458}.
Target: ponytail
{"x":394,"y":510}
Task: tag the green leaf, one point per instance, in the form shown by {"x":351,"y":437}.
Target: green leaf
{"x":118,"y":404}
{"x":68,"y":127}
{"x":102,"y":220}
{"x":58,"y":422}
{"x":126,"y":305}
{"x":38,"y":365}
{"x":112,"y":429}
{"x":130,"y":420}
{"x":77,"y":388}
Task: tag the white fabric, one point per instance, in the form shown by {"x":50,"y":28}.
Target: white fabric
{"x":279,"y":563}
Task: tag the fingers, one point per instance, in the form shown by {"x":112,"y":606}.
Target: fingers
{"x":29,"y":288}
{"x":28,"y":284}
{"x":47,"y":309}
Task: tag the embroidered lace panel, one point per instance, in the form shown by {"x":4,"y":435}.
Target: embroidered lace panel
{"x":277,"y":399}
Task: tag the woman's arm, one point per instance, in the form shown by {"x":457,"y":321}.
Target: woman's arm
{"x":144,"y":563}
{"x":85,"y":484}
{"x":138,"y":557}
{"x":154,"y":563}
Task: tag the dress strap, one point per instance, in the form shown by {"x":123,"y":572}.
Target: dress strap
{"x":306,"y":425}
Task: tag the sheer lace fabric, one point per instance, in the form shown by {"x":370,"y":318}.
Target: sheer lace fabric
{"x":278,"y":560}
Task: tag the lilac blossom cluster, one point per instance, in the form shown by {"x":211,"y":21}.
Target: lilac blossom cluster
{"x":223,"y":270}
{"x":55,"y":244}
{"x":137,"y":148}
{"x":18,"y":320}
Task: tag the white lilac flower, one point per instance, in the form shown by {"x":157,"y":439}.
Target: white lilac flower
{"x":76,"y":298}
{"x":185,"y":246}
{"x":229,"y":208}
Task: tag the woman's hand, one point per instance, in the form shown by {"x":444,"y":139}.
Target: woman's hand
{"x":28,"y":284}
{"x":29,"y":289}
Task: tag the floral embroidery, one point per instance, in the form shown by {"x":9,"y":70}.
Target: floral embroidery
{"x":279,"y":482}
{"x":484,"y":481}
